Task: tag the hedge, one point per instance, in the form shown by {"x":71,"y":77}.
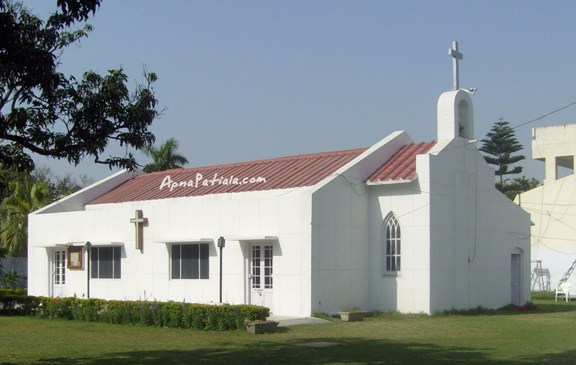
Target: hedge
{"x":16,"y":302}
{"x":145,"y":313}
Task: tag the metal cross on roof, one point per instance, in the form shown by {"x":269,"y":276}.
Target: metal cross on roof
{"x":456,"y":56}
{"x":139,"y":222}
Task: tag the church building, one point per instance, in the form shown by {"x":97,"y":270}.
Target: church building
{"x":414,"y":227}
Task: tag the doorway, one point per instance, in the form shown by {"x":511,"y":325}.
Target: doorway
{"x":59,"y":273}
{"x":516,"y":279}
{"x":261,"y":280}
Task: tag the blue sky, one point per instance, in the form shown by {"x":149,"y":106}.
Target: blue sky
{"x":247,"y":80}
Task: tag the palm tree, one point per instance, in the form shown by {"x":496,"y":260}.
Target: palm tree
{"x":26,"y":197}
{"x":165,"y":157}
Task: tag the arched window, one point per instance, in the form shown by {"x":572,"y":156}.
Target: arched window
{"x":391,"y":245}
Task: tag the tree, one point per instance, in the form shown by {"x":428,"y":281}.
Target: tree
{"x":26,"y":197}
{"x":3,"y":253}
{"x":50,"y":114}
{"x":10,"y":280}
{"x":500,"y":145}
{"x":165,"y":157}
{"x":6,"y":177}
{"x":23,"y":194}
{"x":519,"y":185}
{"x":59,"y":187}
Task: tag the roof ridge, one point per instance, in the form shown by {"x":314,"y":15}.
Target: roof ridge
{"x":262,"y":161}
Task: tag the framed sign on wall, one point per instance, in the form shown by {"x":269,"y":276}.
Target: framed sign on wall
{"x":74,"y":258}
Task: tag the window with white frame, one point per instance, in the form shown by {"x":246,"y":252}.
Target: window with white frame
{"x":189,"y":261}
{"x":106,"y":262}
{"x":391,"y":246}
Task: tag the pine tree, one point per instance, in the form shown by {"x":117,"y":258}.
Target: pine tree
{"x":500,"y":146}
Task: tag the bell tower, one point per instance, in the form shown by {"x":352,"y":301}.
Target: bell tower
{"x":455,"y":111}
{"x":455,"y":116}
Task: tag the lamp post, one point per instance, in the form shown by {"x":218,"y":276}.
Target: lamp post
{"x":221,"y":245}
{"x":88,"y":247}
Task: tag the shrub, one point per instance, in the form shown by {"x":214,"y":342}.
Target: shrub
{"x":60,"y":308}
{"x":194,"y":317}
{"x":143,"y":311}
{"x":16,"y":302}
{"x":159,"y":314}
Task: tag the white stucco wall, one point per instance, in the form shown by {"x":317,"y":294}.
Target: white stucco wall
{"x":339,"y":246}
{"x":341,"y":232}
{"x":145,"y":275}
{"x":556,"y":146}
{"x":474,"y":230}
{"x":458,"y":236}
{"x":552,"y":210}
{"x":552,"y":206}
{"x":407,"y":292}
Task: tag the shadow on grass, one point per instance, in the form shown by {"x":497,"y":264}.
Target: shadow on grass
{"x":537,"y":307}
{"x":345,"y":351}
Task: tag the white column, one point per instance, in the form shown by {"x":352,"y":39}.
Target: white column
{"x":551,"y":169}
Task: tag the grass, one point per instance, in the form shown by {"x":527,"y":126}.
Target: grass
{"x":506,"y":337}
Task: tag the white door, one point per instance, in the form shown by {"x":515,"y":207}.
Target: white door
{"x":59,"y":273}
{"x":261,"y":279}
{"x":516,"y":279}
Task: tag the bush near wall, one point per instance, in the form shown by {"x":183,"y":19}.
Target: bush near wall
{"x":16,"y":302}
{"x":159,"y":314}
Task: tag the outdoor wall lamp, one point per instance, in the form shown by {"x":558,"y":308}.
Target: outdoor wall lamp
{"x":88,"y":248}
{"x":221,"y":245}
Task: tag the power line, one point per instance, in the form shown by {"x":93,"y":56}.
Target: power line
{"x":534,"y":120}
{"x":545,"y":115}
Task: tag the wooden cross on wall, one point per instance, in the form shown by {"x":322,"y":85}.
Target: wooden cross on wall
{"x":139,"y":222}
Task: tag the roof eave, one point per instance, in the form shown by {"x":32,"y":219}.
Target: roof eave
{"x":390,"y":182}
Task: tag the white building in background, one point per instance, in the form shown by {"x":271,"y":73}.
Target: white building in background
{"x":552,"y":207}
{"x":400,"y":226}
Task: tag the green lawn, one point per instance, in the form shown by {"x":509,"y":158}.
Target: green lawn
{"x":545,"y":336}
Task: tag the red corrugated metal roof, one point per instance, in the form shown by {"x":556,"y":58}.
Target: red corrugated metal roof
{"x":402,"y":165}
{"x":278,"y":173}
